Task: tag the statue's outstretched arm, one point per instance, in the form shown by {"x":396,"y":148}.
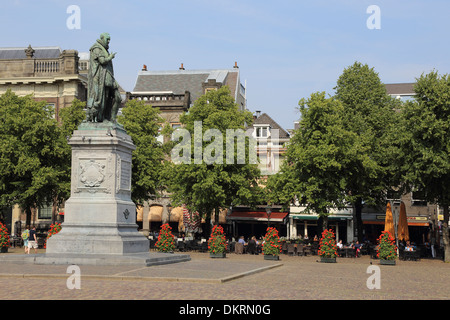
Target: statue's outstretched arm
{"x":105,"y":60}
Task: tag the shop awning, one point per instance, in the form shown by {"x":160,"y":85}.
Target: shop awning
{"x":316,"y":217}
{"x":257,"y":216}
{"x":411,"y":222}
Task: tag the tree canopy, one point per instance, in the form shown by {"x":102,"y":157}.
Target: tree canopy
{"x":426,"y":148}
{"x":34,"y":154}
{"x":372,"y":115}
{"x":207,"y":180}
{"x":343,"y":150}
{"x":312,"y":173}
{"x":143,"y":123}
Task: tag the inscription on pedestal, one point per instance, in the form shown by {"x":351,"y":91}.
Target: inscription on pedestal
{"x":123,"y":174}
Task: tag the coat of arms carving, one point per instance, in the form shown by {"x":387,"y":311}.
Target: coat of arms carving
{"x":92,"y":173}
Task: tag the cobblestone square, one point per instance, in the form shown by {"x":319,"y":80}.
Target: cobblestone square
{"x":237,"y":277}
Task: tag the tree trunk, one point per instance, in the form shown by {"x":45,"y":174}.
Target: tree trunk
{"x":324,"y":223}
{"x":54,"y":210}
{"x":358,"y":217}
{"x":207,"y":231}
{"x":445,"y":234}
{"x":27,"y":216}
{"x":216,"y":216}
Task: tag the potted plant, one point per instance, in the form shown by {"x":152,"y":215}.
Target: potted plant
{"x":271,"y":247}
{"x":166,"y":240}
{"x":217,"y":244}
{"x":54,"y":229}
{"x":327,"y":247}
{"x":4,"y":238}
{"x":387,"y":251}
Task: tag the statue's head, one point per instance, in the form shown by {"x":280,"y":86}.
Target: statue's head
{"x":105,"y":38}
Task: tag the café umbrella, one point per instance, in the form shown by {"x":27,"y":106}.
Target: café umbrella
{"x":402,"y":228}
{"x":389,"y":221}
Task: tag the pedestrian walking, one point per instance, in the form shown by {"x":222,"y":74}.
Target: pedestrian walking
{"x":25,"y":237}
{"x":32,"y":240}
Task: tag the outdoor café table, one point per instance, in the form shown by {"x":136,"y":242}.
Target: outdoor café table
{"x":410,"y":255}
{"x":349,"y":252}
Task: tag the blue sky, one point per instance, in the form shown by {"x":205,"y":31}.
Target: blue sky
{"x":286,"y":50}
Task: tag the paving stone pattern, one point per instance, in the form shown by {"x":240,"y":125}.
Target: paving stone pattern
{"x":237,"y":277}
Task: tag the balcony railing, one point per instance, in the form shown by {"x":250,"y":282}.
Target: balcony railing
{"x":46,"y":66}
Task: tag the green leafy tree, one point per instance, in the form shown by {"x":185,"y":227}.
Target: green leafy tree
{"x":33,"y":153}
{"x":371,"y":114}
{"x":211,"y":178}
{"x":71,"y":117}
{"x":426,"y":148}
{"x":143,"y":122}
{"x":319,"y":150}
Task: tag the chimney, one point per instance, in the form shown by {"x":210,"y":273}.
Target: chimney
{"x":181,"y":68}
{"x":258,"y":113}
{"x":235,"y":65}
{"x":144,"y":67}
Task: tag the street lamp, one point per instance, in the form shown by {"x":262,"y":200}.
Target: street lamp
{"x":268,"y":212}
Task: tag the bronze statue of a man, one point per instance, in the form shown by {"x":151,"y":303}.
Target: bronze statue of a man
{"x":104,"y":99}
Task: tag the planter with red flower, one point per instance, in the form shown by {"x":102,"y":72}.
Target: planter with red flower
{"x":271,"y":247}
{"x":327,"y":247}
{"x":166,"y":240}
{"x":217,"y":243}
{"x":54,"y":229}
{"x":387,"y":251}
{"x":4,"y":238}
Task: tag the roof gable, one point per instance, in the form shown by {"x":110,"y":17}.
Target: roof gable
{"x":265,"y":119}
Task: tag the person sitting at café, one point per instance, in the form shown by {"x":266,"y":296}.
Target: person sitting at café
{"x":239,"y":247}
{"x":251,"y":247}
{"x":409,"y":247}
{"x":357,"y":247}
{"x":340,"y":245}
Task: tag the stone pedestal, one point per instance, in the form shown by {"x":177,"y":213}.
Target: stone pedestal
{"x":100,"y":217}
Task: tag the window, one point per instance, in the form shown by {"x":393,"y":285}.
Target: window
{"x":160,"y":137}
{"x":210,"y":89}
{"x":418,"y":198}
{"x":83,"y":65}
{"x":393,"y":195}
{"x":262,"y":132}
{"x":50,"y":107}
{"x":45,"y":212}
